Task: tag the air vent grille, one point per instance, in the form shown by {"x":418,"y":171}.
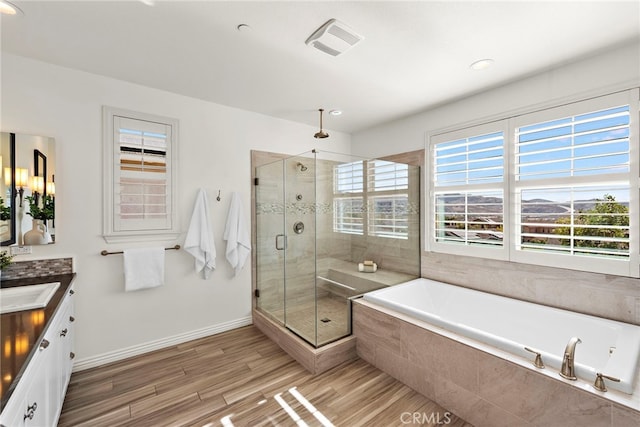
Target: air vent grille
{"x":334,"y":38}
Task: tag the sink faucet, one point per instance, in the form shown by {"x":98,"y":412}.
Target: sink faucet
{"x":567,"y":370}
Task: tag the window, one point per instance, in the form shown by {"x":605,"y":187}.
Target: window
{"x":564,"y":197}
{"x":572,"y":185}
{"x":376,"y":200}
{"x":348,"y":201}
{"x":388,"y":183}
{"x":468,"y":190}
{"x":140,"y":158}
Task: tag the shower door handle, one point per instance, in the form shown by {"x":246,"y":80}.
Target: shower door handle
{"x":281,"y":242}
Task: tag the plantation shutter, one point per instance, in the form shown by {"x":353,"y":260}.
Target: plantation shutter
{"x":388,"y":183}
{"x":572,"y":175}
{"x":348,"y":198}
{"x":142,"y":175}
{"x":468,"y":177}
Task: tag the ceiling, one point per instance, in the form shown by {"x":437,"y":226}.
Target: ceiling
{"x":414,"y":56}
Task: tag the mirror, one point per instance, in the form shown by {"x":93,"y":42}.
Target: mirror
{"x":27,"y":211}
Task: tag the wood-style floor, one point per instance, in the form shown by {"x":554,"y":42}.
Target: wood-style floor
{"x":241,"y":378}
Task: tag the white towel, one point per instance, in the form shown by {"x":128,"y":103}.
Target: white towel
{"x":199,"y":240}
{"x":236,"y":233}
{"x":143,"y":268}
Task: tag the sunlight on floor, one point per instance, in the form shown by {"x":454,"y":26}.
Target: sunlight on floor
{"x":226,"y":420}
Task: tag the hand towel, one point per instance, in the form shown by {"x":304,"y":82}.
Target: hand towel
{"x":236,"y":233}
{"x":199,"y":241}
{"x":143,"y":268}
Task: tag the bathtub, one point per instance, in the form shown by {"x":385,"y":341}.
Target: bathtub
{"x":608,"y":346}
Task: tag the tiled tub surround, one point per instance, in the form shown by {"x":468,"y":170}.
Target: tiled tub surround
{"x":606,"y":346}
{"x":484,"y":385}
{"x":602,"y":295}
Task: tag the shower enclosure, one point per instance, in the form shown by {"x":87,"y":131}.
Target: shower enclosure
{"x":317,"y":216}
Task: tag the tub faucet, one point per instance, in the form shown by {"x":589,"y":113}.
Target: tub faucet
{"x":567,"y":370}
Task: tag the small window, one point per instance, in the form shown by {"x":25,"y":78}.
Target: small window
{"x":373,"y":196}
{"x":348,"y":201}
{"x":140,"y":159}
{"x":388,"y":183}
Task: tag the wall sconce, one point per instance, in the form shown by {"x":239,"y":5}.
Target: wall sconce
{"x":37,"y":187}
{"x":51,"y":188}
{"x":22,"y":181}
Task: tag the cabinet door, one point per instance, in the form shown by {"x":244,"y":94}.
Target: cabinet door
{"x":12,"y":415}
{"x":38,"y":411}
{"x":38,"y":397}
{"x":30,"y":406}
{"x":64,"y":351}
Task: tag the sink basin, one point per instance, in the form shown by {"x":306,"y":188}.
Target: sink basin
{"x":26,"y":297}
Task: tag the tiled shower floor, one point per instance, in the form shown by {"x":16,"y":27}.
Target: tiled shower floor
{"x":301,"y":319}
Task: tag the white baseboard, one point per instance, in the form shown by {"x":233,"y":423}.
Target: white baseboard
{"x":114,"y":356}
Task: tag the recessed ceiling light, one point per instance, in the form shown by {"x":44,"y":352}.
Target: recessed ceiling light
{"x":8,"y":8}
{"x":335,"y":112}
{"x":482,"y":64}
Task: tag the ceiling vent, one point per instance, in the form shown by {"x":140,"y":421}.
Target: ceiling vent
{"x":334,"y":38}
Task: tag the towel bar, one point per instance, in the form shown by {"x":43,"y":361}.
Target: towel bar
{"x":105,"y":253}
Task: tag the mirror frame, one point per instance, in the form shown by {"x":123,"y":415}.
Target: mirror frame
{"x":40,"y":162}
{"x":14,"y":193}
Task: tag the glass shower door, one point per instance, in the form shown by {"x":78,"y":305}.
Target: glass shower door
{"x":299,"y":229}
{"x":270,"y":240}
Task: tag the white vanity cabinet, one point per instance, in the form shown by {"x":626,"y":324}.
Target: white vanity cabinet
{"x":38,"y":396}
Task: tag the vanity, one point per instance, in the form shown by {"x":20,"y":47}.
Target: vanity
{"x":37,"y":354}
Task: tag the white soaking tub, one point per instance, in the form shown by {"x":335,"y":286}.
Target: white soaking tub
{"x":609,"y":347}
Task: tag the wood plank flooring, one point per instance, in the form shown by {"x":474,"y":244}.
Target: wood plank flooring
{"x":241,"y":378}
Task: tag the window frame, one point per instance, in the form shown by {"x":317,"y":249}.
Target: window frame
{"x":111,"y":153}
{"x":629,"y":267}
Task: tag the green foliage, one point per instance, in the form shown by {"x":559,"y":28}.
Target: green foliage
{"x":606,"y":212}
{"x":5,"y":211}
{"x":5,"y":259}
{"x":45,"y":212}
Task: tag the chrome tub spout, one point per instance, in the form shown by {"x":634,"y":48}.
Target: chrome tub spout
{"x":568,"y":370}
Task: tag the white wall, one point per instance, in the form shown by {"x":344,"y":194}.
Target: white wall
{"x":214,"y":153}
{"x":612,"y":70}
{"x":603,"y":295}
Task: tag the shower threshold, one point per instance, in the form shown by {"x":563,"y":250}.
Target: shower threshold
{"x":314,"y":360}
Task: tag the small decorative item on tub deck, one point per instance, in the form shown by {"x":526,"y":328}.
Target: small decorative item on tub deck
{"x":367,"y":267}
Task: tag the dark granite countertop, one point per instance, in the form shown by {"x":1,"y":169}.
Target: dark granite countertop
{"x":22,"y":331}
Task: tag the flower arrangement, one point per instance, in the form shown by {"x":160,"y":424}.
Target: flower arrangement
{"x":45,"y":212}
{"x":5,"y":259}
